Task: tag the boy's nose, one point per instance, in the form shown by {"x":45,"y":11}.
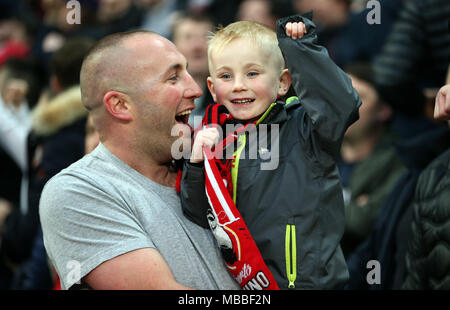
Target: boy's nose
{"x":239,"y":85}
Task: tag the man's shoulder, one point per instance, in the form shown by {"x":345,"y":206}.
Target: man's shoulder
{"x":95,"y":165}
{"x":76,"y":171}
{"x":74,"y":180}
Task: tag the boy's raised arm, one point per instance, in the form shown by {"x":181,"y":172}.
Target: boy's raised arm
{"x":324,"y":90}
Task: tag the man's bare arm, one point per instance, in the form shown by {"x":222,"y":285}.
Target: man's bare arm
{"x":136,"y":270}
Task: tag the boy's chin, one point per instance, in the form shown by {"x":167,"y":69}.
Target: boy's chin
{"x":246,"y":115}
{"x":246,"y":112}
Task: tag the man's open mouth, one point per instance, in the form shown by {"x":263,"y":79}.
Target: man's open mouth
{"x":183,"y":117}
{"x":243,"y":101}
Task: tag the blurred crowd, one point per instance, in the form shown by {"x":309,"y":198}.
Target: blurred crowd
{"x":397,"y":65}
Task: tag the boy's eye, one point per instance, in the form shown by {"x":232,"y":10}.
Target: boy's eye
{"x":253,"y":73}
{"x":225,"y":76}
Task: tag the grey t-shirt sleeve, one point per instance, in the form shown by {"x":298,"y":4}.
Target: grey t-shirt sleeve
{"x":85,"y":226}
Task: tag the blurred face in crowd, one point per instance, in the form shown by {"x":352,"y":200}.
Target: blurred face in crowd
{"x":14,"y":91}
{"x":371,"y":112}
{"x":111,"y":9}
{"x":257,"y":11}
{"x":303,"y":6}
{"x":147,"y":4}
{"x":326,"y":12}
{"x":190,"y":37}
{"x":12,"y":29}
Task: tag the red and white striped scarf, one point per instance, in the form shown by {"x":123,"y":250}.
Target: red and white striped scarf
{"x":240,"y":251}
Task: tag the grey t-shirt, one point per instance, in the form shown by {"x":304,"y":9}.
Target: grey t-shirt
{"x":99,"y":208}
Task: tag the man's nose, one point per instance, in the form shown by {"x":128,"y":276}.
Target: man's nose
{"x":193,"y":90}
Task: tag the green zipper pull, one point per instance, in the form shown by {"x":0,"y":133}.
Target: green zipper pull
{"x":242,"y":139}
{"x":291,"y":284}
{"x":291,"y":255}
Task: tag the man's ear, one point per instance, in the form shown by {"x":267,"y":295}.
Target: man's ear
{"x":285,"y":83}
{"x":211,"y":88}
{"x":118,"y":105}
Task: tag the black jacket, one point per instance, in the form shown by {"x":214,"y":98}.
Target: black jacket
{"x":428,"y":256}
{"x":415,"y":54}
{"x":304,"y":191}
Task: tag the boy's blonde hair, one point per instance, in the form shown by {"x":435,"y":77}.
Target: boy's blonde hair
{"x":259,"y":35}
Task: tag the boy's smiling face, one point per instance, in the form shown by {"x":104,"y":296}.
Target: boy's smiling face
{"x":246,"y":79}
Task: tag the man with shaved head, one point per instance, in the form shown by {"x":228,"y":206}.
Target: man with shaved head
{"x":113,"y":220}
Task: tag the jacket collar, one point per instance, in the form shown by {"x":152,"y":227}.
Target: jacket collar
{"x":278,"y":111}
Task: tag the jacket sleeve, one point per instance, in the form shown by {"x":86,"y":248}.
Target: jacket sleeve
{"x":193,"y":196}
{"x":325,"y":91}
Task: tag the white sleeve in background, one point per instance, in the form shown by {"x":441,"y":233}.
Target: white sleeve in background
{"x":13,"y":137}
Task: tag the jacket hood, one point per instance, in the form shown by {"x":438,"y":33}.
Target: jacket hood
{"x":60,"y":111}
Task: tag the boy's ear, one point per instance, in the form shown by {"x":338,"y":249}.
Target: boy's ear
{"x":285,"y":82}
{"x":118,"y":105}
{"x":211,"y":88}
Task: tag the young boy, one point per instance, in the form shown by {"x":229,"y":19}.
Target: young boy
{"x":294,"y":213}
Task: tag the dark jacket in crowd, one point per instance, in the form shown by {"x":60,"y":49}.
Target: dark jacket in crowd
{"x":390,"y":233}
{"x":428,"y":256}
{"x":10,"y":178}
{"x":415,"y":55}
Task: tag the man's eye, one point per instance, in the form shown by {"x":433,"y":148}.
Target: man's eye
{"x":174,"y":78}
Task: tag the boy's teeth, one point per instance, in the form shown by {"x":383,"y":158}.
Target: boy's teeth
{"x":242,"y":101}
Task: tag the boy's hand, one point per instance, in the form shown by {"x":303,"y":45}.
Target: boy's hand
{"x":207,"y":137}
{"x":295,"y":30}
{"x":442,"y":105}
